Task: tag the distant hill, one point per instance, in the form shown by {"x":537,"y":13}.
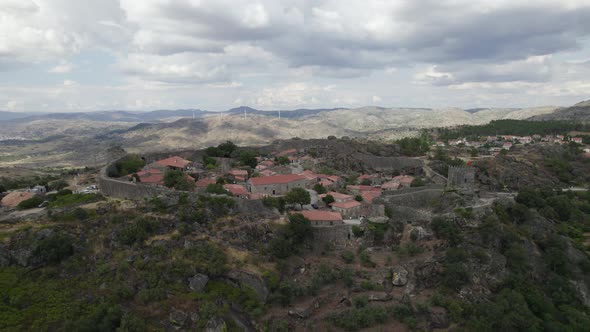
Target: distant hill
{"x":5,"y":116}
{"x":578,"y":112}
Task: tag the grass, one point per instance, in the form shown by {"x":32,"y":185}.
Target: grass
{"x":72,"y":199}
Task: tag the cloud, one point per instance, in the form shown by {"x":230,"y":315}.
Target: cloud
{"x":250,"y":50}
{"x":63,"y":67}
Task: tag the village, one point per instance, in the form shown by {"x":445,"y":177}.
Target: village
{"x":324,"y":199}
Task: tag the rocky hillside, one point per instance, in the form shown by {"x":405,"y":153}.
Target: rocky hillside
{"x":578,"y":112}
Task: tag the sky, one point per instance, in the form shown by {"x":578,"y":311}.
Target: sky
{"x":82,"y":55}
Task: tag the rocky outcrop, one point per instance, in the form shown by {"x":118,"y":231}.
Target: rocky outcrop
{"x":399,"y":276}
{"x":198,"y":282}
{"x":245,"y":279}
{"x":177,"y":318}
{"x":215,"y":325}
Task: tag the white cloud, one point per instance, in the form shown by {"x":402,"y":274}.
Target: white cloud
{"x":270,"y":53}
{"x":63,"y":67}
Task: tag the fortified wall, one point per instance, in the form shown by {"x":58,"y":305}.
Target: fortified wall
{"x":139,"y":191}
{"x":337,"y":235}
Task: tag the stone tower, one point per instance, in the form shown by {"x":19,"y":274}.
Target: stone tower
{"x":461,"y":178}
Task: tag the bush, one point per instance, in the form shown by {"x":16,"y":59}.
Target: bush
{"x":447,"y":229}
{"x":216,"y":188}
{"x":319,"y":188}
{"x":207,"y":258}
{"x":357,"y":231}
{"x":128,"y":165}
{"x":139,"y":231}
{"x":54,"y":249}
{"x":358,"y":198}
{"x":366,"y":259}
{"x":417,"y":182}
{"x":178,"y":180}
{"x":328,"y":199}
{"x":347,"y":257}
{"x":30,"y":203}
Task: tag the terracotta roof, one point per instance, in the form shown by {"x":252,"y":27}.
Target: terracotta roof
{"x":148,"y":172}
{"x":362,"y":188}
{"x":267,"y":163}
{"x":175,"y":161}
{"x":203,"y":183}
{"x":346,"y":205}
{"x":334,"y":178}
{"x":406,"y":179}
{"x":238,"y":172}
{"x":369,"y":196}
{"x":276,"y":179}
{"x":316,"y":215}
{"x":267,"y":172}
{"x":152,"y":179}
{"x":390,"y":185}
{"x":236,"y":189}
{"x":15,"y":197}
{"x":338,"y":195}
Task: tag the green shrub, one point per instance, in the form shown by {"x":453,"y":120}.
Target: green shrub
{"x":347,"y":257}
{"x":30,"y":203}
{"x":73,"y":199}
{"x":357,"y":231}
{"x":55,"y":248}
{"x":366,"y":259}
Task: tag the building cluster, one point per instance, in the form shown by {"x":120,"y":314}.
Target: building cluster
{"x":274,"y":176}
{"x":495,"y":144}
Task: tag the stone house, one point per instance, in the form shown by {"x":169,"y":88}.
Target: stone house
{"x":276,"y":184}
{"x":322,"y":218}
{"x":338,"y":197}
{"x":349,"y":209}
{"x":237,"y":190}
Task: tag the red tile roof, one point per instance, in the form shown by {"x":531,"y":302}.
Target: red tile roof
{"x":369,"y":196}
{"x":236,"y":189}
{"x":276,"y":179}
{"x":175,"y":161}
{"x":152,"y":179}
{"x":337,"y":195}
{"x":404,"y":179}
{"x":316,"y":215}
{"x":203,"y":183}
{"x":390,"y":185}
{"x":267,"y":172}
{"x":362,"y":188}
{"x":238,"y":172}
{"x":346,"y":205}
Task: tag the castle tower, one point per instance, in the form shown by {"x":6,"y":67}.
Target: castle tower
{"x":461,"y":178}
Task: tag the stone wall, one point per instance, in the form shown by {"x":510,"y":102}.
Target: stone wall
{"x":338,"y":235}
{"x":276,"y":189}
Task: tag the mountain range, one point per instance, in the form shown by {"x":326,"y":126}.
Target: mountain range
{"x":80,"y":138}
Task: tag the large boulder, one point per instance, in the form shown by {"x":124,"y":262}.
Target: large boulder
{"x":177,"y":318}
{"x":252,"y":281}
{"x":198,"y":282}
{"x":418,"y":233}
{"x":399,"y":276}
{"x":216,"y":325}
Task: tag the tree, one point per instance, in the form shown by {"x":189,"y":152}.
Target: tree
{"x":216,"y":188}
{"x":248,"y":158}
{"x":328,"y":199}
{"x":2,"y":189}
{"x":298,"y":196}
{"x":366,"y":182}
{"x":358,"y":198}
{"x":298,"y":229}
{"x":319,"y":188}
{"x":178,"y":180}
{"x":282,"y":160}
{"x":417,"y":182}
